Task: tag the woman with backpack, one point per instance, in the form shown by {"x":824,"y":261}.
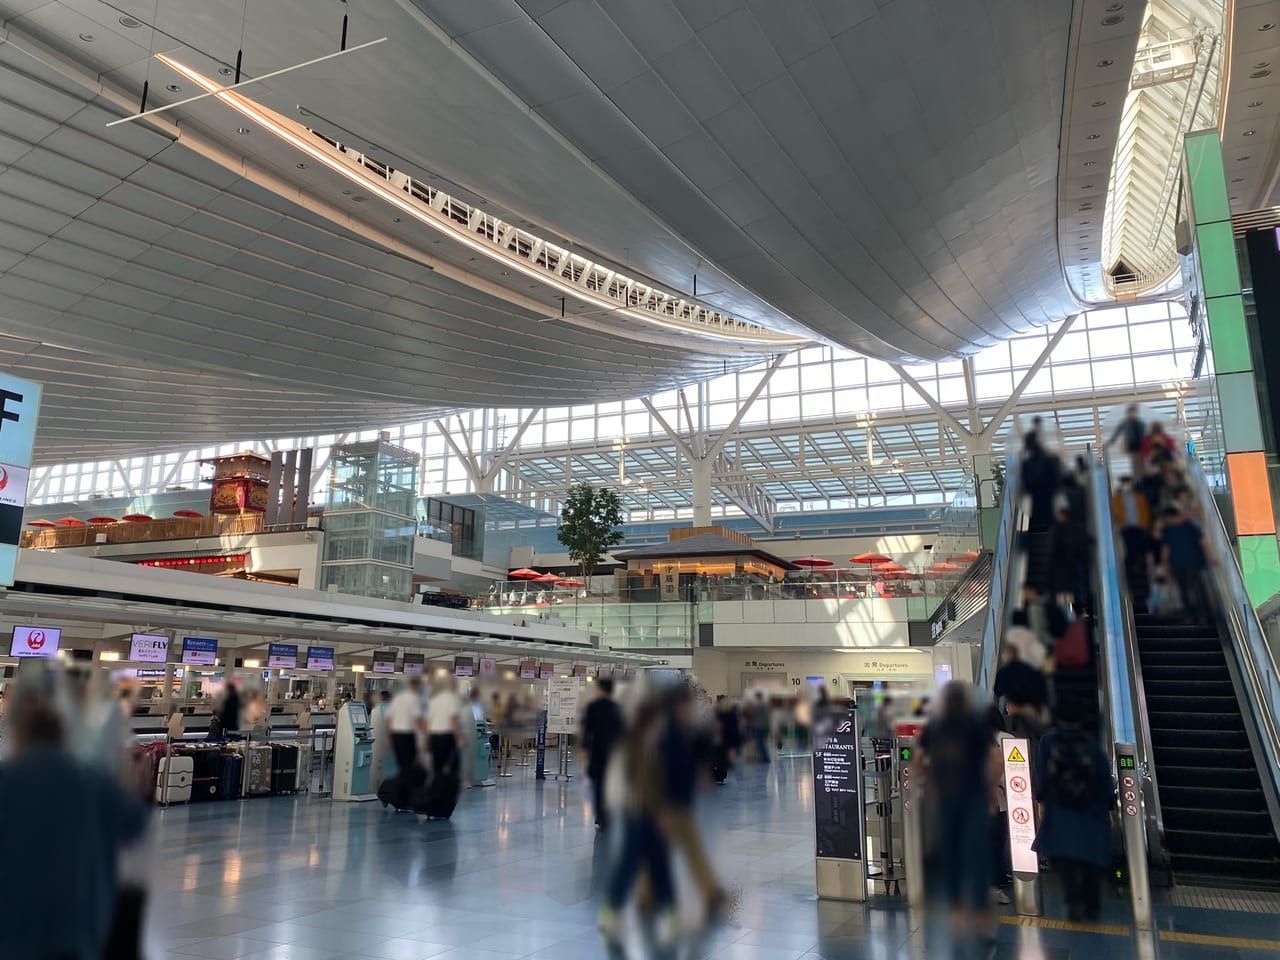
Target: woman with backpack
{"x":1075,"y":790}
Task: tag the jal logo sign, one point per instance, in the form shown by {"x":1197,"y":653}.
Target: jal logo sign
{"x":34,"y":642}
{"x":13,"y":485}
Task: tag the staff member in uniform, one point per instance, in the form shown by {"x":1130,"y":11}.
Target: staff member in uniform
{"x":444,"y":731}
{"x":405,"y":722}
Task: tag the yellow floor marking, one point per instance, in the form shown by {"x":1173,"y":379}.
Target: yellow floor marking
{"x":1047,"y":923}
{"x":1207,"y":940}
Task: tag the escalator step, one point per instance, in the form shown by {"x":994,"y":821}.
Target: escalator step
{"x":1183,"y":754}
{"x":1157,"y":704}
{"x":1212,"y":799}
{"x":1186,"y":672}
{"x":1177,"y":725}
{"x":1229,"y":777}
{"x":1188,"y":689}
{"x":1254,"y":822}
{"x":1238,"y":846}
{"x":1224,"y":868}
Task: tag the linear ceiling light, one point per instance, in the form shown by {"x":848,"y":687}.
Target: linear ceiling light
{"x":300,"y":139}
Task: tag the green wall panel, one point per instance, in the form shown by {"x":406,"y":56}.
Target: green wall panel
{"x":1228,"y":335}
{"x":1260,"y":564}
{"x":1207,"y":179}
{"x":1218,"y":267}
{"x":1241,"y":426}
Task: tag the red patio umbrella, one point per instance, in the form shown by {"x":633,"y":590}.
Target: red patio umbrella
{"x":102,"y":519}
{"x":967,"y":556}
{"x":189,"y":514}
{"x":945,"y":566}
{"x":813,"y":562}
{"x":136,"y":518}
{"x":870,"y":557}
{"x":69,"y":522}
{"x":570,"y":582}
{"x":546,"y":578}
{"x":41,"y":523}
{"x":889,"y":566}
{"x":524,"y":573}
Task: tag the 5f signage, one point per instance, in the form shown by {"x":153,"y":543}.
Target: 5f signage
{"x":19,"y":404}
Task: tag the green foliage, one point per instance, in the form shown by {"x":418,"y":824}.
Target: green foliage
{"x":589,"y":525}
{"x":998,"y":475}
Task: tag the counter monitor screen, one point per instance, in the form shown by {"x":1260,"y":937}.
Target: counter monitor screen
{"x":464,"y":667}
{"x":528,"y":670}
{"x":384,"y":661}
{"x":414,"y":664}
{"x":546,"y":671}
{"x":319,"y":658}
{"x":34,"y":642}
{"x":200,"y":651}
{"x":358,"y":715}
{"x":579,"y":669}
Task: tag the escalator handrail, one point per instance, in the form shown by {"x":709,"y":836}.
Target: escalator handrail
{"x":1248,"y":646}
{"x":1122,"y":686}
{"x":1004,"y":586}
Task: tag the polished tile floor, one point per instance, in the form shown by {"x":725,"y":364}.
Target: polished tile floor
{"x":514,"y":873}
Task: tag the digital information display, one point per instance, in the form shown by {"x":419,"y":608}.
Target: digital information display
{"x":488,"y":667}
{"x":464,"y":667}
{"x":35,"y":642}
{"x":579,"y":669}
{"x":384,"y":661}
{"x":319,"y":658}
{"x":149,"y":648}
{"x":199,"y":651}
{"x":546,"y":671}
{"x":415,"y":664}
{"x":837,"y":780}
{"x":282,"y":656}
{"x":528,"y":669}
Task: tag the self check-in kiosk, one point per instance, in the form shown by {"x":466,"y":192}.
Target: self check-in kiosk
{"x":353,"y":754}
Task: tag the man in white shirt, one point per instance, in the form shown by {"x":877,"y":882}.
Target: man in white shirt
{"x":444,"y":731}
{"x":404,"y":722}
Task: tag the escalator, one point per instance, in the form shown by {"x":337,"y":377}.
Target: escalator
{"x":1209,"y":725}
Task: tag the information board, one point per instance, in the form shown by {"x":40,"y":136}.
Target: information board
{"x":562,"y":704}
{"x":35,"y":642}
{"x":282,"y":656}
{"x":199,"y":651}
{"x":488,"y":667}
{"x":464,"y":667}
{"x":149,"y":648}
{"x":546,"y":671}
{"x":837,"y":780}
{"x":319,"y":658}
{"x":1022,"y":814}
{"x":414,"y":664}
{"x":384,"y":661}
{"x":528,"y":669}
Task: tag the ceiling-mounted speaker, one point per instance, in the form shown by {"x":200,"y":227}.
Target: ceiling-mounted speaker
{"x":1182,"y":238}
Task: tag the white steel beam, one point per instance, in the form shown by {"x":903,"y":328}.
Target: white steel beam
{"x":990,"y":429}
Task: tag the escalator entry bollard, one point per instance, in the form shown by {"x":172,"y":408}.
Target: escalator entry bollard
{"x":909,"y":789}
{"x":1022,"y":827}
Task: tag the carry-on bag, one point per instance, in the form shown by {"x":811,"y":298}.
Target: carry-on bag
{"x":438,"y":797}
{"x":231,"y":775}
{"x":177,"y":772}
{"x":284,"y":768}
{"x":258,"y":757}
{"x":206,"y":773}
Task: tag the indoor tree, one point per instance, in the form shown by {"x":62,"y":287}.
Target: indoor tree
{"x":589,"y":524}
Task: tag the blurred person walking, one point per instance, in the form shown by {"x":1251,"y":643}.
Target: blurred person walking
{"x":1040,"y":471}
{"x":1132,"y":431}
{"x":1074,"y":788}
{"x":755,"y":717}
{"x":602,"y":728}
{"x":954,"y":759}
{"x":62,"y":824}
{"x":444,"y":726}
{"x":404,"y":722}
{"x":678,"y":750}
{"x":229,"y":710}
{"x":729,"y":729}
{"x":1185,"y":556}
{"x":637,"y":793}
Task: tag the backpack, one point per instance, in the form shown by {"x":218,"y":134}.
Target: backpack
{"x":1072,"y":650}
{"x":1072,"y":770}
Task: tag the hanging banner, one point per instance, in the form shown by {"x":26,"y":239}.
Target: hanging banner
{"x":19,"y":404}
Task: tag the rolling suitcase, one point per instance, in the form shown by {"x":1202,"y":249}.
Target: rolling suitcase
{"x":258,"y":757}
{"x":206,"y":773}
{"x":231,"y":775}
{"x":176,"y":771}
{"x":439,"y":796}
{"x":284,"y":768}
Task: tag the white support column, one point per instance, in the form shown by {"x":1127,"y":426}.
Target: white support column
{"x":1007,"y":407}
{"x":945,"y":415}
{"x":700,"y":475}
